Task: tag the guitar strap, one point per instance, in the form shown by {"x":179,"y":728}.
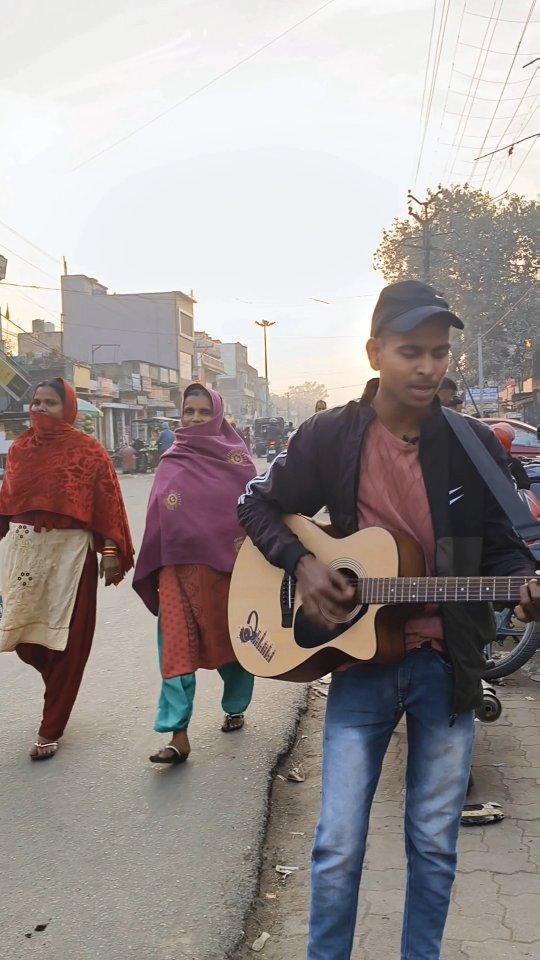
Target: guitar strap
{"x":502,"y":489}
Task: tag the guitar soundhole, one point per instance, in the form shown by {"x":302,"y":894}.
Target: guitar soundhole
{"x":352,"y":578}
{"x":308,"y":634}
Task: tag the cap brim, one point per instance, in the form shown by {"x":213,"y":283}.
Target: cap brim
{"x":413,"y":318}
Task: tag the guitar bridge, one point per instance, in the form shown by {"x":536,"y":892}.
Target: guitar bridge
{"x":286,"y":599}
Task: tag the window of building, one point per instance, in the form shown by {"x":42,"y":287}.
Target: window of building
{"x":154,"y":372}
{"x":186,"y":324}
{"x":173,"y":376}
{"x":185,"y":366}
{"x":144,"y":370}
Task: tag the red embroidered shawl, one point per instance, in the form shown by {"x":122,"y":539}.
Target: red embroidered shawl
{"x":57,"y":469}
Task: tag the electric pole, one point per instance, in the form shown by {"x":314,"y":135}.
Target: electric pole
{"x":424,"y":219}
{"x":481,"y":374}
{"x":265,"y":324}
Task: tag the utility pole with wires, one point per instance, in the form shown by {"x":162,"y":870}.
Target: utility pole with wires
{"x":425,"y":220}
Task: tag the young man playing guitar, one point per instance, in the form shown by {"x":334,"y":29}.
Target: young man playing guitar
{"x":392,"y":461}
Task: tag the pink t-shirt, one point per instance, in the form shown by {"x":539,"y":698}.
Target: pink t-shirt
{"x":392,"y":495}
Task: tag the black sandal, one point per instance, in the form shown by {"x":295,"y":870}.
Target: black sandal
{"x":233,"y":722}
{"x":176,"y":758}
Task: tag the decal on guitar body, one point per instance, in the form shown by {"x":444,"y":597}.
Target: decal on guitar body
{"x":252,"y":634}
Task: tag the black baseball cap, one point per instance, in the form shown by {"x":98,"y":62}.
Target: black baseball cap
{"x":405,"y":305}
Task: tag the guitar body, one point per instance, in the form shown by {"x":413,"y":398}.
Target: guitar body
{"x":272,"y":638}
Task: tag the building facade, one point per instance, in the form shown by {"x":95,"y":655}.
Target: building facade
{"x":154,"y":328}
{"x":43,"y":340}
{"x":238,"y":384}
{"x":208,"y":365}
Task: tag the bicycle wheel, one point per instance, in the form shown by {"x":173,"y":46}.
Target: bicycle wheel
{"x":516,"y":643}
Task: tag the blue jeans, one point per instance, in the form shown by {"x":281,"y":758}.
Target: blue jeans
{"x":364,"y":705}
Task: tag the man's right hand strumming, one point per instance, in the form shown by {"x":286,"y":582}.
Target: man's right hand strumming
{"x":323,"y":591}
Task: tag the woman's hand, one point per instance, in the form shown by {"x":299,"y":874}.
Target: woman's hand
{"x":110,"y":570}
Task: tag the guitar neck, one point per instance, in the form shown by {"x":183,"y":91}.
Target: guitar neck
{"x":439,"y":589}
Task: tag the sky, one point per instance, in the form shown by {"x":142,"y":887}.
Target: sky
{"x":267,"y":192}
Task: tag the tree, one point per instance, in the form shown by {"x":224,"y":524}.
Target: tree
{"x":302,"y":399}
{"x":482,"y":259}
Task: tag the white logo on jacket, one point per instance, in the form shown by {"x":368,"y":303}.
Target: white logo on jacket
{"x":455,"y":495}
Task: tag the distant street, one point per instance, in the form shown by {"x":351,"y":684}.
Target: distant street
{"x":118,"y":858}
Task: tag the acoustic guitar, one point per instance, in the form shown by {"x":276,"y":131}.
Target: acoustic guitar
{"x":272,"y":637}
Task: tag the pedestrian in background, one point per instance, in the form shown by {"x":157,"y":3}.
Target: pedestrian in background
{"x":60,"y":503}
{"x":165,"y":439}
{"x":506,"y":435}
{"x":448,"y":395}
{"x":184,"y":568}
{"x":320,"y":406}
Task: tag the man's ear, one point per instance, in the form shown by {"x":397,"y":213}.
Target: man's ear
{"x":373,"y":350}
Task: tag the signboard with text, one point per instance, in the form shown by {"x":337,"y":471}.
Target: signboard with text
{"x":11,"y":378}
{"x":489,"y":394}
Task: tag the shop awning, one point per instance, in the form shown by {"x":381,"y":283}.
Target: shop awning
{"x":88,"y":408}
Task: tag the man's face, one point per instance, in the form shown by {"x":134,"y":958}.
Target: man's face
{"x":411,"y":365}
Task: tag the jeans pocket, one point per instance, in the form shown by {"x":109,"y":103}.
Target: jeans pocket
{"x":445,"y":663}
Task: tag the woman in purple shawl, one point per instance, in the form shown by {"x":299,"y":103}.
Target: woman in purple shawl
{"x":184,"y":567}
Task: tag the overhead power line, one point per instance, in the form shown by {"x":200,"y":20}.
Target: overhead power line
{"x":206,"y":86}
{"x":469,"y":76}
{"x":29,"y":242}
{"x":508,"y":146}
{"x":501,"y":319}
{"x":522,"y":164}
{"x":428,"y":60}
{"x":507,"y":78}
{"x":35,"y":339}
{"x":484,"y":16}
{"x":497,"y":53}
{"x":28,"y":262}
{"x":443,"y":22}
{"x":497,"y":100}
{"x":471,"y":93}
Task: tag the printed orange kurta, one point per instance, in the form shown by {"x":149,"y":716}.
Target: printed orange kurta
{"x":194,"y":624}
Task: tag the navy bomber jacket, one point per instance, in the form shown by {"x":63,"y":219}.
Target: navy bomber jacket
{"x":473,"y":535}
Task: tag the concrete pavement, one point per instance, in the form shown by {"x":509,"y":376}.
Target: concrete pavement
{"x":495,"y":907}
{"x":117,"y":858}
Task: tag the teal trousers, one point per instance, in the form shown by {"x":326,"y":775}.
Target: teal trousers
{"x":175,"y":705}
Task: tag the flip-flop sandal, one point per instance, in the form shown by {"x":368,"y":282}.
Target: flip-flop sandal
{"x":481,"y":814}
{"x":177,"y":757}
{"x":229,"y":725}
{"x":43,"y":746}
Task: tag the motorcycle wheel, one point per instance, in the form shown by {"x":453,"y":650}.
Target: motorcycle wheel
{"x":517,"y":643}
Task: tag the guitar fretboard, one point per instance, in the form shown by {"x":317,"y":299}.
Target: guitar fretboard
{"x":438,"y":589}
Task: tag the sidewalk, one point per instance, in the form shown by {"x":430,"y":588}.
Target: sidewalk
{"x":495,"y":913}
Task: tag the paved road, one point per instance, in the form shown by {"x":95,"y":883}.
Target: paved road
{"x":119,"y":859}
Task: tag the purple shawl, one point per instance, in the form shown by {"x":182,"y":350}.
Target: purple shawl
{"x":191,"y":515}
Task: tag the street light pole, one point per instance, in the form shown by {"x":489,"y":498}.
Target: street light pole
{"x":265,"y":324}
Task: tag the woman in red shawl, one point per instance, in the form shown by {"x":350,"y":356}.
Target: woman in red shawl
{"x":184,"y":566}
{"x":60,"y":504}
